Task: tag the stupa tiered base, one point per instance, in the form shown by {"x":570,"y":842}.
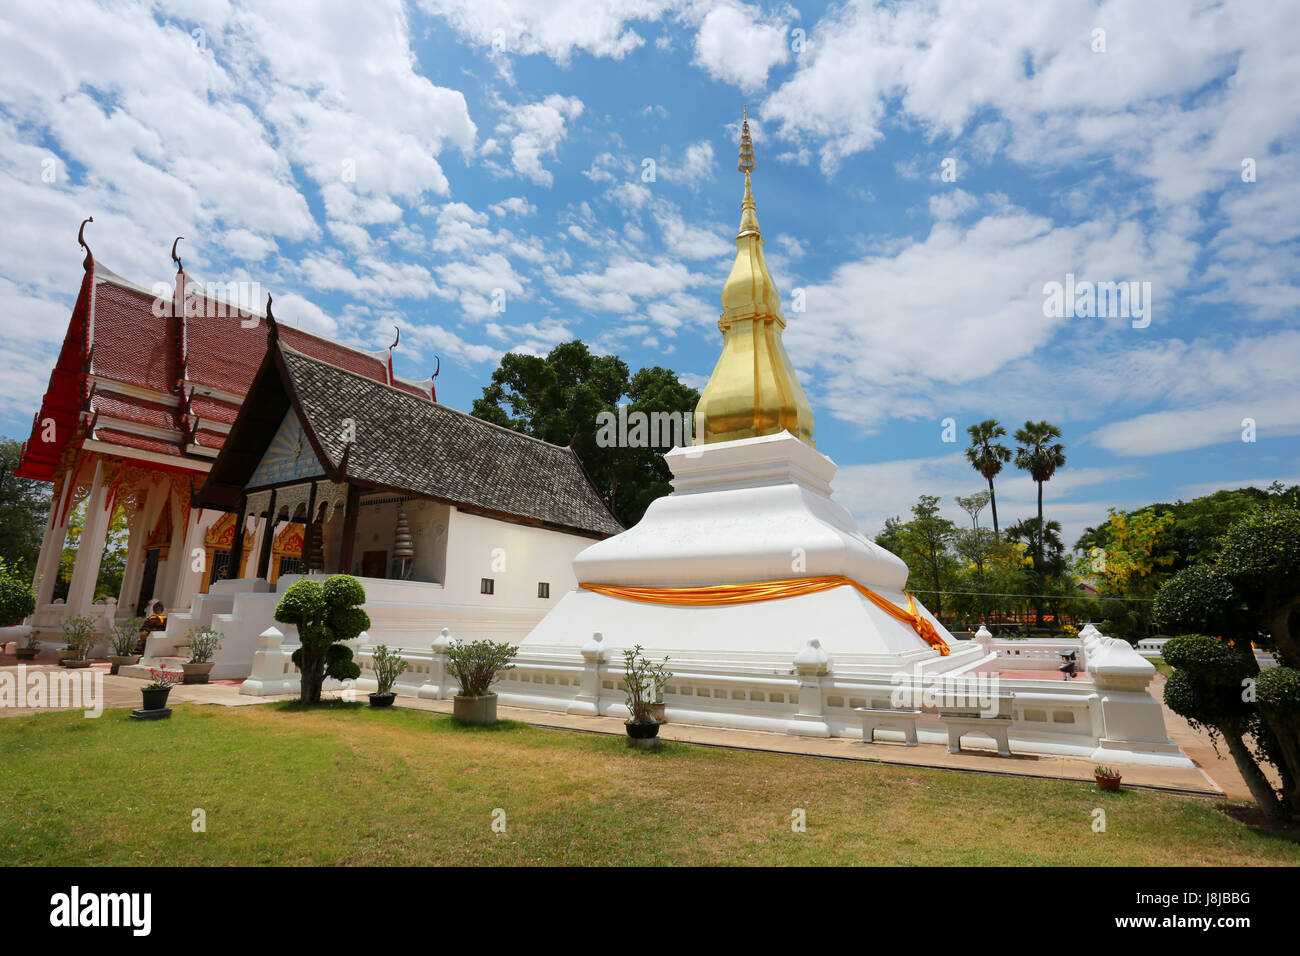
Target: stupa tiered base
{"x":746,"y":511}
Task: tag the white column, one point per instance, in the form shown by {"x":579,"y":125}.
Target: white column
{"x":150,"y":507}
{"x":137,"y":536}
{"x":187,"y":581}
{"x":56,"y":532}
{"x":178,"y":560}
{"x":90,"y":549}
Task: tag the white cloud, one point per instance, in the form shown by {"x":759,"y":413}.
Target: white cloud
{"x":952,"y":204}
{"x":516,"y":205}
{"x":920,"y":339}
{"x":556,"y":29}
{"x":535,"y":131}
{"x":738,"y":45}
{"x":697,"y":165}
{"x":1155,"y":433}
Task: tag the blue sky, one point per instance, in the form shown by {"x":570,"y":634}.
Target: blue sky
{"x":501,"y":145}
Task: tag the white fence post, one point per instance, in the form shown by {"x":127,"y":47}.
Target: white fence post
{"x":587,"y":700}
{"x":811,"y":664}
{"x":1132,"y":723}
{"x":437,"y":687}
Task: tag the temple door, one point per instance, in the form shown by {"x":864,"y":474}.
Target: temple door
{"x":147,"y":580}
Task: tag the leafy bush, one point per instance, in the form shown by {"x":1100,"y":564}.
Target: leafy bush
{"x":79,"y":634}
{"x":477,"y":663}
{"x":125,"y":637}
{"x":1218,"y":708}
{"x":1199,"y":597}
{"x":388,"y":667}
{"x":1206,"y":659}
{"x":17,"y":599}
{"x":1278,"y":695}
{"x":642,"y":681}
{"x":204,"y":642}
{"x":325,"y":617}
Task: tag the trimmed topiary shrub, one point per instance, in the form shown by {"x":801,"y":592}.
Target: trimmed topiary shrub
{"x":325,"y":617}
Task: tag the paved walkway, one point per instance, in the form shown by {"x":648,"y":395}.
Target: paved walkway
{"x":125,"y":692}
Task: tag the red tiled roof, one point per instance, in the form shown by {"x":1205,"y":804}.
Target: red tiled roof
{"x":129,"y":343}
{"x":209,"y":439}
{"x":131,"y":440}
{"x":213,"y":409}
{"x":118,"y":327}
{"x":131,"y":409}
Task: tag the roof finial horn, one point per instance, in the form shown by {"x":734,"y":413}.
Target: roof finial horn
{"x":89,"y":262}
{"x":175,"y":258}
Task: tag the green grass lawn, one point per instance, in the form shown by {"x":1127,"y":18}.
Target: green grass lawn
{"x":345,"y":784}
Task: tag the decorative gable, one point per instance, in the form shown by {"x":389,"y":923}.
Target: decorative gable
{"x":289,"y":457}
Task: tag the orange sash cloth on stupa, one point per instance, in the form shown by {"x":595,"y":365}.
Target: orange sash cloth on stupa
{"x":716,"y":594}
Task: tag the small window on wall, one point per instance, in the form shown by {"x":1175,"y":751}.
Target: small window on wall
{"x":543,"y":589}
{"x":487,"y":586}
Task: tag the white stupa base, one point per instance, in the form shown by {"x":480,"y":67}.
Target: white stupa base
{"x":757,"y":509}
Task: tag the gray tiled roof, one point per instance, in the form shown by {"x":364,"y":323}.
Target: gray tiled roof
{"x":411,"y":444}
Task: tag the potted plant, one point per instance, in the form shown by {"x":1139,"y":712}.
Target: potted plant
{"x":659,"y":675}
{"x":639,"y":679}
{"x":388,"y":667}
{"x":1107,"y":778}
{"x":31,"y":647}
{"x":79,"y":635}
{"x":204,"y":642}
{"x":155,"y":692}
{"x":476,"y":665}
{"x":124,"y":638}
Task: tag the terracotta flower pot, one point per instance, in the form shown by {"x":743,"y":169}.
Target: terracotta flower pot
{"x":27,"y":653}
{"x":76,"y":662}
{"x":196,"y":673}
{"x":119,"y":660}
{"x":475,"y":710}
{"x":658,"y":710}
{"x":1109,"y":784}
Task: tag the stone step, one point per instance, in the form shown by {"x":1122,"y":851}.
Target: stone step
{"x":171,"y":665}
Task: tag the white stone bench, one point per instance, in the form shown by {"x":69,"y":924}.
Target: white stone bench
{"x":959,"y":721}
{"x":885,"y":718}
{"x":959,"y":725}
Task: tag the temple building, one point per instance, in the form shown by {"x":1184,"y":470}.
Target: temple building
{"x":148,"y":390}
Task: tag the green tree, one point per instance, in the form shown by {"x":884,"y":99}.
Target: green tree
{"x":1248,"y":594}
{"x":1130,"y":565}
{"x":559,"y":399}
{"x":24,"y":508}
{"x":925,"y":544}
{"x":1039,"y":453}
{"x":987,"y":456}
{"x":974,"y":504}
{"x":326,"y":615}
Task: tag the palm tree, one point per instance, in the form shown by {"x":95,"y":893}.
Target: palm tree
{"x":1039,"y":453}
{"x":987,"y":456}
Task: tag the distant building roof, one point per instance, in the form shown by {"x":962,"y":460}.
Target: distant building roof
{"x":163,"y":379}
{"x":406,"y":444}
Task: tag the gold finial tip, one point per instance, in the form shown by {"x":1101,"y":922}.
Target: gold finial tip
{"x":746,"y":164}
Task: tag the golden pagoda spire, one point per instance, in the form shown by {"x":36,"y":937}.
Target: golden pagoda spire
{"x":753,"y":390}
